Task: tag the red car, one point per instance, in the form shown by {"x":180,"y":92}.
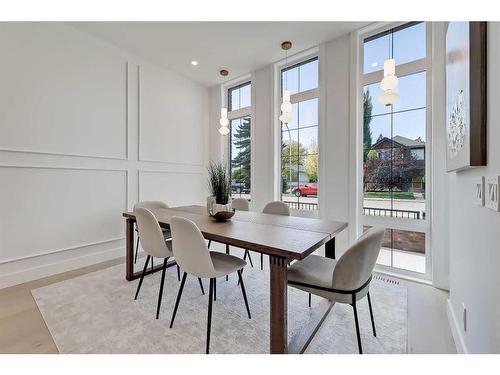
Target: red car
{"x":304,"y":191}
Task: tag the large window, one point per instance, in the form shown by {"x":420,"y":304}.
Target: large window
{"x":299,"y":138}
{"x":239,"y":114}
{"x":395,"y":146}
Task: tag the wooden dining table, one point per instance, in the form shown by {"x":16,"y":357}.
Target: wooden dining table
{"x":283,"y":238}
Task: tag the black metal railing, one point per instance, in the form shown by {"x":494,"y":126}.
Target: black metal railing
{"x":302,"y":205}
{"x":405,"y":214}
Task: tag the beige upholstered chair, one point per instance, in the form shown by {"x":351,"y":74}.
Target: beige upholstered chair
{"x":193,"y":256}
{"x":154,"y":244}
{"x":345,"y":280}
{"x":151,"y":206}
{"x":274,"y":208}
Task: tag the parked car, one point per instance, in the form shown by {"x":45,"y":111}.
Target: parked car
{"x":239,"y":187}
{"x":305,"y":190}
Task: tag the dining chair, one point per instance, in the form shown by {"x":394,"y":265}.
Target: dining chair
{"x":154,"y":244}
{"x":345,"y":280}
{"x":151,"y":205}
{"x":194,"y":257}
{"x":274,"y":208}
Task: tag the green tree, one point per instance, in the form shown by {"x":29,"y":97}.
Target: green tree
{"x":290,"y":157}
{"x":312,"y":163}
{"x":367,"y":118}
{"x":240,"y":163}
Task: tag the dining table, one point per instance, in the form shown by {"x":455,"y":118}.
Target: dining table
{"x":283,"y":238}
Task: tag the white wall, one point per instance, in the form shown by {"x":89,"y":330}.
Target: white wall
{"x":85,"y":131}
{"x":475,"y":235}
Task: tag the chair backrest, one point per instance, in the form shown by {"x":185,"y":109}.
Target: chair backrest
{"x":356,"y":265}
{"x":150,"y":234}
{"x":277,"y":208}
{"x":190,"y":249}
{"x":240,"y":204}
{"x":150,"y":205}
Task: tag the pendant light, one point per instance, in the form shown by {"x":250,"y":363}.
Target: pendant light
{"x":390,"y":81}
{"x":286,"y":106}
{"x":224,"y":122}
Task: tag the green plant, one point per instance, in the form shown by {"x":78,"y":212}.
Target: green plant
{"x":219,"y":182}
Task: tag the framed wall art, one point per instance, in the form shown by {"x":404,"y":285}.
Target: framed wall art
{"x":465,"y":95}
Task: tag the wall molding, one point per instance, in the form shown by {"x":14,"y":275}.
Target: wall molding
{"x":78,"y":246}
{"x":455,"y":329}
{"x":43,"y":152}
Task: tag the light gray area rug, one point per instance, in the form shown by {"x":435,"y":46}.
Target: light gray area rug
{"x":96,"y":313}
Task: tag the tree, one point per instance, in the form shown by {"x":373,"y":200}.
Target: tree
{"x":394,"y":173}
{"x":290,"y":158}
{"x":367,"y":119}
{"x":240,"y":163}
{"x":312,"y":163}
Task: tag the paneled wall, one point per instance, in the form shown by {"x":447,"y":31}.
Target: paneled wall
{"x":86,"y":130}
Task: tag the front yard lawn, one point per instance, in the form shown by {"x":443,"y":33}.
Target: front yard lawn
{"x":386,"y":195}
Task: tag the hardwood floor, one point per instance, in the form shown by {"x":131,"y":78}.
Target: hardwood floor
{"x":23,"y":330}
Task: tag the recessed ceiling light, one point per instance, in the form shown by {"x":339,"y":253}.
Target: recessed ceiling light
{"x":194,"y":63}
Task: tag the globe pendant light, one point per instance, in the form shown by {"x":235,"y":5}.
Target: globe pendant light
{"x":389,"y":83}
{"x":286,"y":106}
{"x":224,"y":122}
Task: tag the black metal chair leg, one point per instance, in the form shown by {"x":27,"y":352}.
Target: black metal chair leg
{"x":209,"y":319}
{"x":142,"y":277}
{"x":209,"y":243}
{"x":357,"y":323}
{"x":178,"y":273}
{"x":244,"y":293}
{"x":227,"y":252}
{"x":309,"y":299}
{"x":201,"y":286}
{"x":136,"y":250}
{"x":261,"y":261}
{"x":152,"y":267}
{"x":215,"y":289}
{"x":160,"y":296}
{"x":371,"y":314}
{"x":179,"y":294}
{"x":247,"y":254}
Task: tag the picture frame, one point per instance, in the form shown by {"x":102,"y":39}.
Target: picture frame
{"x":465,"y":95}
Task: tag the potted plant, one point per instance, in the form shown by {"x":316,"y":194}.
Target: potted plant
{"x":219,"y":184}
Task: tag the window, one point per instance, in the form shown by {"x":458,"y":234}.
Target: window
{"x":239,"y":115}
{"x":394,"y":145}
{"x":299,"y":138}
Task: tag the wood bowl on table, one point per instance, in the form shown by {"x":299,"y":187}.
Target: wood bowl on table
{"x":222,"y":215}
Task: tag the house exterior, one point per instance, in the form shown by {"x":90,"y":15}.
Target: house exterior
{"x":408,"y":153}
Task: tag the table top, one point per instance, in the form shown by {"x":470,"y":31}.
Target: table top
{"x":289,"y":237}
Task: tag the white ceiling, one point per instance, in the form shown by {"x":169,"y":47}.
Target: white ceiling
{"x":241,"y":47}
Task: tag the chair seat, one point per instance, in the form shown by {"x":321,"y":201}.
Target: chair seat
{"x":317,"y":272}
{"x":225,"y":264}
{"x":313,"y":270}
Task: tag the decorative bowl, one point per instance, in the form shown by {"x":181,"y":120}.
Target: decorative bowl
{"x":222,"y":215}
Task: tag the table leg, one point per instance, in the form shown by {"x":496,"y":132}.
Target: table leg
{"x":330,"y":248}
{"x":129,"y":255}
{"x":278,"y":303}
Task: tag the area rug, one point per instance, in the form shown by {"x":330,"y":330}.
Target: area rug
{"x":96,"y":313}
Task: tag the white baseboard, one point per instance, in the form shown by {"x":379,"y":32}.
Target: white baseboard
{"x":455,"y":329}
{"x":63,"y":265}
